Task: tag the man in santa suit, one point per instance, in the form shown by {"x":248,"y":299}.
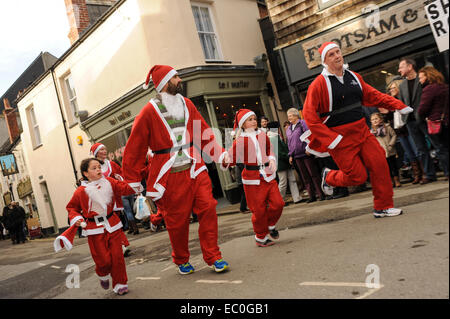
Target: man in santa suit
{"x":337,"y":127}
{"x":178,"y":182}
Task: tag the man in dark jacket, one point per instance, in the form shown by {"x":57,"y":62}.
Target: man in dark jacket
{"x":14,"y":218}
{"x":410,"y":94}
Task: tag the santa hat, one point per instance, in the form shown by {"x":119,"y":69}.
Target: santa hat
{"x":95,"y":148}
{"x":241,"y":116}
{"x":160,"y":75}
{"x":66,"y":238}
{"x":324,"y":48}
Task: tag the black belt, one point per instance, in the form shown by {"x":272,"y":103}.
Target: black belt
{"x":174,"y":149}
{"x":341,"y":110}
{"x":101,"y":219}
{"x":256,"y":167}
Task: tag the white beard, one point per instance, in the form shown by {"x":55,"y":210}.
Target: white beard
{"x":101,"y":194}
{"x":173,"y":104}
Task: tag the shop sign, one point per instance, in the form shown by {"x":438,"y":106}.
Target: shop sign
{"x":24,"y":187}
{"x":7,"y":198}
{"x":234,"y":85}
{"x":117,"y":118}
{"x":379,"y":26}
{"x":437,"y":13}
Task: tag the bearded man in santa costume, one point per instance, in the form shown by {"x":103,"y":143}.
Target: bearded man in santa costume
{"x":178,"y":181}
{"x":337,"y":127}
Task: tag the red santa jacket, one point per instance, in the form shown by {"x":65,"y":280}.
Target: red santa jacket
{"x":320,"y":137}
{"x":253,"y":148}
{"x":151,"y":130}
{"x":80,"y":207}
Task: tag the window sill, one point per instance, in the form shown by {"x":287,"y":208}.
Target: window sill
{"x":37,"y":146}
{"x":218,"y":62}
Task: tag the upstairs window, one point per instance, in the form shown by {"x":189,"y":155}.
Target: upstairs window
{"x":34,"y":128}
{"x":206,"y":32}
{"x":72,"y":99}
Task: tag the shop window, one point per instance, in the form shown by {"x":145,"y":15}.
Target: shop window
{"x":34,"y":128}
{"x":71,"y":99}
{"x":206,"y":32}
{"x":115,"y":144}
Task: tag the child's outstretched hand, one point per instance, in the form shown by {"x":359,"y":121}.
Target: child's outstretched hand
{"x":272,"y":166}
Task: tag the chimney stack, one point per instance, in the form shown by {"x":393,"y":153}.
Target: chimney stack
{"x":11,"y":120}
{"x":78,"y":15}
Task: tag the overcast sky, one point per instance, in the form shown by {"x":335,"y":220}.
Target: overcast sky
{"x":28,"y":27}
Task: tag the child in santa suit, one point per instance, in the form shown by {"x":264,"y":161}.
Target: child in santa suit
{"x":93,"y":203}
{"x":113,"y":170}
{"x":337,"y":127}
{"x":252,"y":147}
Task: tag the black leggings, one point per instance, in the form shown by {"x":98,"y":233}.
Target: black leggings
{"x":393,"y":167}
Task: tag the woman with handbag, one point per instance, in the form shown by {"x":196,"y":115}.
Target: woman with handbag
{"x":434,"y":107}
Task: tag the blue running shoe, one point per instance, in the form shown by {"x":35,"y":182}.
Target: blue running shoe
{"x":185,"y":269}
{"x":220,"y":265}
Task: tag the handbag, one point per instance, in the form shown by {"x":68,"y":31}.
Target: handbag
{"x":434,"y":127}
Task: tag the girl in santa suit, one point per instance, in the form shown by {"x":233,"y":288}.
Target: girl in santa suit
{"x":93,"y":203}
{"x":337,"y":127}
{"x":252,"y":147}
{"x":113,"y":170}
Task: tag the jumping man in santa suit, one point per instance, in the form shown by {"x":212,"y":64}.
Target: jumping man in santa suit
{"x":178,"y":181}
{"x":337,"y":127}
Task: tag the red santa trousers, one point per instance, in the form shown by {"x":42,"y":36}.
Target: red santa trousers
{"x":266,"y":204}
{"x":184,"y":195}
{"x":106,"y":250}
{"x":353,"y":160}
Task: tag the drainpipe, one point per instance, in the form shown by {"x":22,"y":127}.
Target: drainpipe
{"x":75,"y":173}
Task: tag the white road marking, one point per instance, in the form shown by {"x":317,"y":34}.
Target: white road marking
{"x":148,"y":278}
{"x":201,"y":281}
{"x":42,"y":264}
{"x":56,"y":267}
{"x":345,"y":284}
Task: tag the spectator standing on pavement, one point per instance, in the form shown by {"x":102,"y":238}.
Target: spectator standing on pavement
{"x":387,"y":138}
{"x":285,"y":171}
{"x":253,"y":148}
{"x":410,"y":94}
{"x":333,"y":110}
{"x":434,"y":106}
{"x":406,"y":141}
{"x":14,"y":222}
{"x":306,"y":164}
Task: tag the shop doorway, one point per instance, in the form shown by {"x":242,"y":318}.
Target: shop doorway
{"x":49,"y":205}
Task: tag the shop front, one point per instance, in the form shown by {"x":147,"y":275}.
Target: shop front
{"x":217,"y":91}
{"x":372,"y":45}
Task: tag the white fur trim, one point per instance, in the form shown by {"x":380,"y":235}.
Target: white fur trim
{"x":94,"y":231}
{"x":165,"y":79}
{"x":272,"y":227}
{"x":262,"y":240}
{"x":326,"y":49}
{"x":250,"y":181}
{"x":145,"y":86}
{"x":75,"y":219}
{"x":305,"y":135}
{"x":335,"y":142}
{"x":98,"y":149}
{"x":57,"y":243}
{"x":406,"y":110}
{"x":118,"y":286}
{"x":245,"y":117}
{"x":107,"y":277}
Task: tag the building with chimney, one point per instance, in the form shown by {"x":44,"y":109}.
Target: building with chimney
{"x":15,"y":184}
{"x":94,"y":91}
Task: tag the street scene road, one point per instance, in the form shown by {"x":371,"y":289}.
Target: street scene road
{"x":327,"y":250}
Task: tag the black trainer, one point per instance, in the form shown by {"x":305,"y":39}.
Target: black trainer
{"x":274,"y":234}
{"x":266,"y":243}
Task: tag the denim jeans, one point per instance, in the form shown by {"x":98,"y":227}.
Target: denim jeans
{"x":409,"y":148}
{"x":440,"y":144}
{"x":418,"y":130}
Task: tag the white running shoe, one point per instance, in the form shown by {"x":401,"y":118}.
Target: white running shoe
{"x":327,"y":189}
{"x":390,"y":212}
